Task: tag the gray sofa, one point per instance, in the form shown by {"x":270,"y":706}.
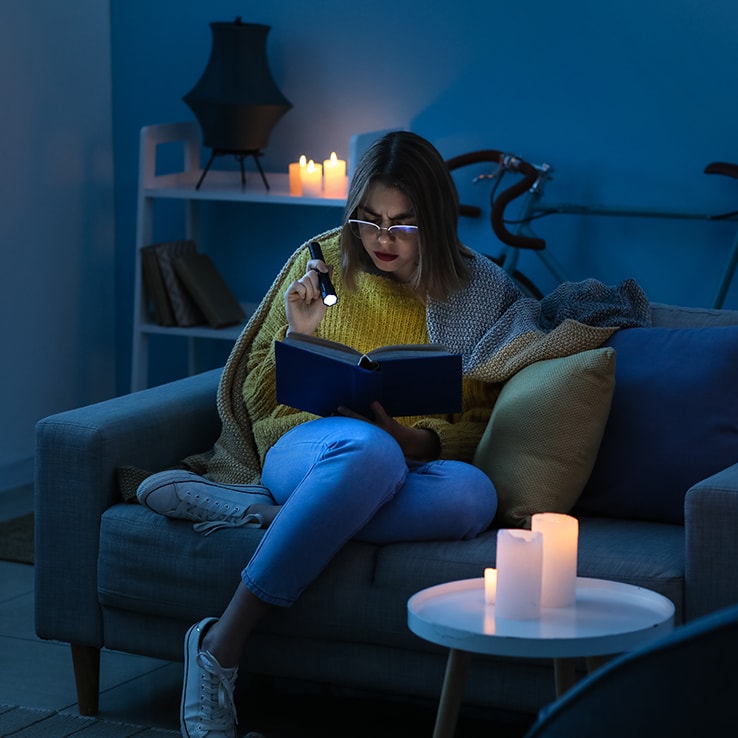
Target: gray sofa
{"x":113,"y":575}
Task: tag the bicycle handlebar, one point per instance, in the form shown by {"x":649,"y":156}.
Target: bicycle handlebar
{"x":722,"y":167}
{"x":509,"y":163}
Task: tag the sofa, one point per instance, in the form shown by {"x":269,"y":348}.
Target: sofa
{"x":656,"y":498}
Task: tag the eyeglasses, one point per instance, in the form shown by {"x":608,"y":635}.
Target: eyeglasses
{"x":365,"y":228}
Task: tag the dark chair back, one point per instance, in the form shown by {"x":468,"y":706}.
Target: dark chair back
{"x":681,"y":686}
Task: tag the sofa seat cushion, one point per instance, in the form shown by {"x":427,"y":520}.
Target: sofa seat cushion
{"x":643,"y":554}
{"x":151,"y":565}
{"x":673,"y":421}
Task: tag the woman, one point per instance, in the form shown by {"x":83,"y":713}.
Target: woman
{"x":401,"y":276}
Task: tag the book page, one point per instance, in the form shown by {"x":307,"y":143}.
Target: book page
{"x":406,"y":351}
{"x":323,"y":346}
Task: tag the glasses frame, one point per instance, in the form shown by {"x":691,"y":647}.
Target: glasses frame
{"x":401,"y":232}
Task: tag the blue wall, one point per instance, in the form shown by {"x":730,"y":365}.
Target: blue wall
{"x":57,"y":301}
{"x":628,"y":101}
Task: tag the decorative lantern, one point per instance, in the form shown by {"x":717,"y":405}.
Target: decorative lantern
{"x":236,"y":101}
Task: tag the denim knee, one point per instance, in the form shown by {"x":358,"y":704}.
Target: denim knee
{"x":343,"y":450}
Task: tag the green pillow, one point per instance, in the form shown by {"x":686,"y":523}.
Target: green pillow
{"x":542,"y":438}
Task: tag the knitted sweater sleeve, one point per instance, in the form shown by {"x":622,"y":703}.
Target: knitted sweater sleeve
{"x":269,"y":420}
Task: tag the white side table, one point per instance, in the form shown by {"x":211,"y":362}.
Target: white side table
{"x":607,"y":618}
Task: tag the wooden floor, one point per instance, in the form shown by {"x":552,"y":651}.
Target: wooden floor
{"x":23,"y":721}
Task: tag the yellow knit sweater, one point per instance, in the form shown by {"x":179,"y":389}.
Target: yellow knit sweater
{"x":380,"y":312}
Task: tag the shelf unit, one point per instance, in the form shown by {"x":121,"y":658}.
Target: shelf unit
{"x":218,"y":186}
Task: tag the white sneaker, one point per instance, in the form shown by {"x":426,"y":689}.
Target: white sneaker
{"x":207,"y":709}
{"x":187,"y":496}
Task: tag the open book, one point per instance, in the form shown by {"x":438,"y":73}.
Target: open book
{"x":318,"y":376}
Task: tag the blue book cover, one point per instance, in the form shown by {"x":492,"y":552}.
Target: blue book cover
{"x":318,"y":376}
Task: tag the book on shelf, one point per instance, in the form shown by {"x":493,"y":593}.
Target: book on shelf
{"x":209,"y":290}
{"x":317,"y":375}
{"x":185,"y":309}
{"x":159,"y":307}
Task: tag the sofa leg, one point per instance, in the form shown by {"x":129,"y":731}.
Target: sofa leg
{"x":86,"y":661}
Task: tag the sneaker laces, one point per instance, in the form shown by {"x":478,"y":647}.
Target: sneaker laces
{"x":217,"y":708}
{"x":213,"y":514}
{"x":252,"y":520}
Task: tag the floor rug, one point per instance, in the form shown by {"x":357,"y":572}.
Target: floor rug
{"x":16,"y":539}
{"x":29,"y":723}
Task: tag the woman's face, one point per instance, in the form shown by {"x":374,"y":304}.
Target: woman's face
{"x":392,"y":253}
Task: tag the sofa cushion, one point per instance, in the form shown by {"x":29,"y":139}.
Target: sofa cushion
{"x":161,"y":567}
{"x":541,"y":440}
{"x":674,"y":421}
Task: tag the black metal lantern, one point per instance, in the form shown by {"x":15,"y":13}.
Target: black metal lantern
{"x":236,"y":101}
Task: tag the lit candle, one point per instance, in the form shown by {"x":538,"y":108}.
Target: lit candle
{"x":490,"y":585}
{"x":334,"y":173}
{"x":296,"y":175}
{"x":312,"y":179}
{"x":519,"y":563}
{"x":560,"y":544}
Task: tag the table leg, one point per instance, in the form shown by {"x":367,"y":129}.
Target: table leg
{"x":457,"y":668}
{"x":565,"y":675}
{"x":565,"y":672}
{"x":595,"y":662}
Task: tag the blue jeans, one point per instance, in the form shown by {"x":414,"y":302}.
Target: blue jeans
{"x":340,"y":479}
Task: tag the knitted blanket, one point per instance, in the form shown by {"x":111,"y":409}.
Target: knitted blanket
{"x":497,"y":331}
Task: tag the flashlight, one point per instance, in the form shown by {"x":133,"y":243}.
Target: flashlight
{"x":327,"y":290}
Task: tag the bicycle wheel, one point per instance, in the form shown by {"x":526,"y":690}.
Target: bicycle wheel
{"x":526,"y":285}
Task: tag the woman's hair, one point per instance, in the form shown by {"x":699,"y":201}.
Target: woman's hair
{"x":411,"y":164}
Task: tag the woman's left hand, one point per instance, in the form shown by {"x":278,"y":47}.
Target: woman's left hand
{"x":418,"y":444}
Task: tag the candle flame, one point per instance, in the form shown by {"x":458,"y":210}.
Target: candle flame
{"x":303,"y":160}
{"x":311,"y":166}
{"x":334,"y":158}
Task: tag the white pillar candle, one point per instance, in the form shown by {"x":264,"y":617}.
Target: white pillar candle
{"x":335,"y":183}
{"x":296,"y":175}
{"x":312,"y":180}
{"x":519,"y":564}
{"x":560,"y":545}
{"x":490,"y":585}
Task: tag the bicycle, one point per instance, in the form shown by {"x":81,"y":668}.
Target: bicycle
{"x":531,"y":187}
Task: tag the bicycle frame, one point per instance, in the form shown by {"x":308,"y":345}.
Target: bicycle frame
{"x":533,"y":206}
{"x":729,"y":269}
{"x":530,"y":207}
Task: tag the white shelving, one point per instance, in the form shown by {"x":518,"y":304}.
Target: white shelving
{"x":217,"y":186}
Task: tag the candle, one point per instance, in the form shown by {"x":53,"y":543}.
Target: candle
{"x":296,"y":175}
{"x":560,"y":543}
{"x":334,"y":174}
{"x":312,"y":179}
{"x":519,"y":564}
{"x":490,"y":585}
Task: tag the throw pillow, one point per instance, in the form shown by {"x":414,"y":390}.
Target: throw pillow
{"x":542,"y":437}
{"x":674,"y":421}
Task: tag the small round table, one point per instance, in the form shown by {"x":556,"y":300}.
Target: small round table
{"x":607,"y":618}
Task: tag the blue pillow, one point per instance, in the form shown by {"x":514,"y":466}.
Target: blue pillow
{"x":673,"y":421}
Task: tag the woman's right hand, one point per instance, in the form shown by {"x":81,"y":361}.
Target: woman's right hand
{"x":303,"y":303}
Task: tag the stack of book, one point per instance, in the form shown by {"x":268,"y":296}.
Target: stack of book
{"x":184,"y":288}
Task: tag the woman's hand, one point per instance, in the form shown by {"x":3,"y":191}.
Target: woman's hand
{"x":303,"y":303}
{"x":418,"y":444}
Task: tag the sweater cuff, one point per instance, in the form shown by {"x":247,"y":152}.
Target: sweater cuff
{"x":458,"y":440}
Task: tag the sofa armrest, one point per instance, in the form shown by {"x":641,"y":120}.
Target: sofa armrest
{"x":711,"y":520}
{"x":78,"y":453}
